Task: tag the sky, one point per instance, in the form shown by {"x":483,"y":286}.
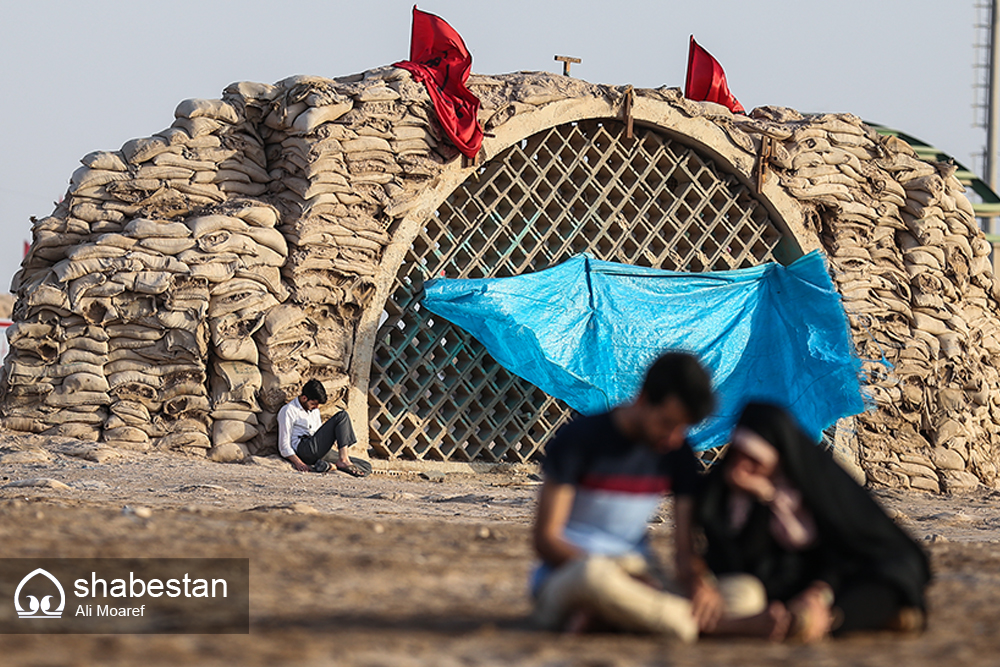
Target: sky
{"x":82,"y":76}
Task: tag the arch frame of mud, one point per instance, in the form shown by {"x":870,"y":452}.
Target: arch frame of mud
{"x":697,"y":132}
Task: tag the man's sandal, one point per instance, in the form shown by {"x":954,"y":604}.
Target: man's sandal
{"x":351,"y":469}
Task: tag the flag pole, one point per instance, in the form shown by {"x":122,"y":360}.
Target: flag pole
{"x":993,"y":108}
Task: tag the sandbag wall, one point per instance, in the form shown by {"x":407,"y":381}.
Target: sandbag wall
{"x":915,"y":273}
{"x":191,"y":281}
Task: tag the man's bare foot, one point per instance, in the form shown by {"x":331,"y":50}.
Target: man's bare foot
{"x":812,"y":619}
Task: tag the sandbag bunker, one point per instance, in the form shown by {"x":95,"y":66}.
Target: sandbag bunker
{"x":162,"y":306}
{"x":191,"y":281}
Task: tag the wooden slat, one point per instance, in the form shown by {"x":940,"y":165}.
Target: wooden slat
{"x":651,"y":201}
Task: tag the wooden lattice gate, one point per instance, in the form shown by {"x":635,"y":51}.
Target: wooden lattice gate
{"x":581,"y":187}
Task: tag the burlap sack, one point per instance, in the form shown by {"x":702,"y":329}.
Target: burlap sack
{"x":125,"y":434}
{"x":224,"y":431}
{"x":238,"y":349}
{"x":75,"y":430}
{"x":236,"y":383}
{"x":131,"y":412}
{"x":183,"y":439}
{"x":85,"y":382}
{"x":61,"y":397}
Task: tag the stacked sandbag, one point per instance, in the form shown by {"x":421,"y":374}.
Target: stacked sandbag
{"x":243,"y":252}
{"x":53,"y":377}
{"x":171,"y":248}
{"x":918,"y":288}
{"x":168,"y":175}
{"x":334,"y":168}
{"x":119,"y":255}
{"x":286,"y":334}
{"x":33,"y":346}
{"x":346,"y":158}
{"x":146,"y":340}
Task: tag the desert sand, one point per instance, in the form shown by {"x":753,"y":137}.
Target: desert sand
{"x":396,"y":569}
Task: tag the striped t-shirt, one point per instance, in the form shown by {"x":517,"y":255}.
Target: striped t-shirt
{"x":619,"y":483}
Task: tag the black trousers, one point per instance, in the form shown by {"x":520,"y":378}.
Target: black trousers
{"x":337,"y":429}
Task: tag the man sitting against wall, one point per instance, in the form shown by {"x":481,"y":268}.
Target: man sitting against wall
{"x":304,"y":439}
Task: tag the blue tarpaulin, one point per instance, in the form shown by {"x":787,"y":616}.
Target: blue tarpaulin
{"x":586,"y":330}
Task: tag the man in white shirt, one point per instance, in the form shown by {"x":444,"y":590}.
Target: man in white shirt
{"x":304,"y":439}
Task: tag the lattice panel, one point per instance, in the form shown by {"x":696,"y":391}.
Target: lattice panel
{"x":435,"y":392}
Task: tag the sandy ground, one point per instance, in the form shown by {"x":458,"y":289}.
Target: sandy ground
{"x":399,"y":570}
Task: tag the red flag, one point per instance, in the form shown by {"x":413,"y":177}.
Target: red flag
{"x":706,"y":82}
{"x":439,"y":59}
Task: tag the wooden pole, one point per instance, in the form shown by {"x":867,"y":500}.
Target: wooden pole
{"x":993,"y":109}
{"x":566,"y":61}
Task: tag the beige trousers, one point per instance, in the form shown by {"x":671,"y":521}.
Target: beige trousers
{"x":608,"y":588}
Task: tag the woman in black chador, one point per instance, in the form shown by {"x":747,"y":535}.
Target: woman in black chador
{"x":781,"y":509}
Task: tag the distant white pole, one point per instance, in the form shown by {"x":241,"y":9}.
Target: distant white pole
{"x":993,"y":122}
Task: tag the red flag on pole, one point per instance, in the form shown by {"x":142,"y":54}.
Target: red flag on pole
{"x":439,"y":59}
{"x":706,"y":82}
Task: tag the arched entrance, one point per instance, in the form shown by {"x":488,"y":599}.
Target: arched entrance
{"x":576,"y":187}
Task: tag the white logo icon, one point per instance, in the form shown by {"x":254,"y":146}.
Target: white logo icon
{"x":36,"y":608}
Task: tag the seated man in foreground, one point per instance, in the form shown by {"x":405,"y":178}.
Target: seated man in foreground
{"x":605,"y":475}
{"x":304,"y":439}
